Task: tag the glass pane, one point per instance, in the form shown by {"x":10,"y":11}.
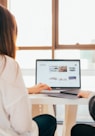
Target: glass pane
{"x":26,"y":60}
{"x":34,"y":21}
{"x":87,"y":57}
{"x":76,"y":21}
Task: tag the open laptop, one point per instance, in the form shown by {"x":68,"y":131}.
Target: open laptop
{"x":62,"y":75}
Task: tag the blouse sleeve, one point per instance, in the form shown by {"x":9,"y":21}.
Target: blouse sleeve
{"x":17,"y":104}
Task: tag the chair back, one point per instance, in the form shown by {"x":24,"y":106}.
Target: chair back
{"x":92,"y":107}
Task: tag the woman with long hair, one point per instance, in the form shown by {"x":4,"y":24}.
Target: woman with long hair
{"x":15,"y":112}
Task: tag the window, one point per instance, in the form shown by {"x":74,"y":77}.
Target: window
{"x":55,"y":29}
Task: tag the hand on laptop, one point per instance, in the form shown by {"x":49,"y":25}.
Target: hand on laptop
{"x":38,"y":88}
{"x":84,"y":94}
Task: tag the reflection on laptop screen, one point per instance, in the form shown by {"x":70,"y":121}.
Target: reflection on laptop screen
{"x":58,"y":73}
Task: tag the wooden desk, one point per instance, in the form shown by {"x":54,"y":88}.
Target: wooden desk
{"x":70,"y":108}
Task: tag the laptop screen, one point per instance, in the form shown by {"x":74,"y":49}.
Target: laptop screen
{"x":58,"y":73}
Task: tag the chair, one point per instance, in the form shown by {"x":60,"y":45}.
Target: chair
{"x":92,"y":107}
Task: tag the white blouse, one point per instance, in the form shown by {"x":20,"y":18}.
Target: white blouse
{"x":15,"y":112}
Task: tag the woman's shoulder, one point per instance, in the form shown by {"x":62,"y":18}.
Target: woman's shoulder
{"x":11,"y":63}
{"x":10,"y":68}
{"x":10,"y":60}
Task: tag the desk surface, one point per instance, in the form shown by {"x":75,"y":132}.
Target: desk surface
{"x":44,"y":99}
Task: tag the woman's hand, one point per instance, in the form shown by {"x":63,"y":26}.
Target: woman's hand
{"x":84,"y":94}
{"x":38,"y":88}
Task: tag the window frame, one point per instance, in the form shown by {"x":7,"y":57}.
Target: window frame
{"x":55,"y":45}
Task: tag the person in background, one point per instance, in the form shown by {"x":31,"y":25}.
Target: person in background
{"x":86,"y":129}
{"x":15,"y":111}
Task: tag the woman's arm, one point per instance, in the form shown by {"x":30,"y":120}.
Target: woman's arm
{"x":86,"y":94}
{"x":38,"y":88}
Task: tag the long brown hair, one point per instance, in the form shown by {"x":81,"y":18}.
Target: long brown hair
{"x":8,"y":32}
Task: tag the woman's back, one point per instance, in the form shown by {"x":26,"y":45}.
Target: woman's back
{"x":14,"y":105}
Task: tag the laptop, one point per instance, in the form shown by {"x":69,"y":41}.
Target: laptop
{"x":62,"y":75}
